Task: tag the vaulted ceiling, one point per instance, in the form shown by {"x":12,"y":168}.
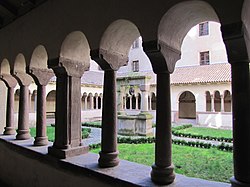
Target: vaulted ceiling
{"x":12,"y":9}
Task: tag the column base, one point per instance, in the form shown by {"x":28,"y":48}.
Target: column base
{"x":108,"y":159}
{"x":236,"y":183}
{"x":66,"y":153}
{"x":41,"y":141}
{"x":162,"y":175}
{"x":9,"y":131}
{"x":23,"y":135}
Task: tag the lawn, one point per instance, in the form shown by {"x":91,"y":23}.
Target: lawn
{"x":51,"y":132}
{"x":207,"y":132}
{"x":210,"y":164}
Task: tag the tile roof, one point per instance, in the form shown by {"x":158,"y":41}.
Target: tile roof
{"x":202,"y":74}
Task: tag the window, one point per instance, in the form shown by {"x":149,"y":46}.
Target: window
{"x":203,"y":29}
{"x":204,"y":58}
{"x":135,"y":66}
{"x":135,"y":44}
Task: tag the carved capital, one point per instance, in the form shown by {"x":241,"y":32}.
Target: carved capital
{"x":40,"y":76}
{"x":9,"y":80}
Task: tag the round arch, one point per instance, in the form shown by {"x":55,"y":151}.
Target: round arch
{"x":208,"y":102}
{"x":176,"y":23}
{"x":39,"y":58}
{"x":51,"y":101}
{"x":227,"y":101}
{"x":116,"y":42}
{"x":75,"y":47}
{"x":187,"y":105}
{"x":217,"y":101}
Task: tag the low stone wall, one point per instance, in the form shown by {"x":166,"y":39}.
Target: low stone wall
{"x":215,"y":119}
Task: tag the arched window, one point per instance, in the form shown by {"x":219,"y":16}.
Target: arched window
{"x":139,"y":101}
{"x":208,"y":101}
{"x":153,"y":101}
{"x":217,"y":101}
{"x":127,"y":102}
{"x":133,"y":102}
{"x":227,"y":101}
{"x":16,"y":98}
{"x":51,"y":101}
{"x":187,"y":106}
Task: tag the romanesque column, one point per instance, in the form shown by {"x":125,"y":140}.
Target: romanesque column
{"x":10,"y":82}
{"x":136,"y":102}
{"x":91,"y":102}
{"x":150,"y":103}
{"x":68,"y":108}
{"x":163,"y":169}
{"x":24,"y":80}
{"x":233,"y":36}
{"x":212,"y":103}
{"x":144,"y":97}
{"x":109,"y":152}
{"x":41,"y":76}
{"x":86,"y":102}
{"x":222,"y":103}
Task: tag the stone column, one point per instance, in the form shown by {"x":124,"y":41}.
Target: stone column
{"x":163,"y":59}
{"x":125,"y":102}
{"x":109,"y":152}
{"x":241,"y":123}
{"x":91,"y":102}
{"x":130,"y":102}
{"x":212,"y":103}
{"x":68,"y":108}
{"x":136,"y":102}
{"x":10,"y":82}
{"x":86,"y":103}
{"x":163,"y":169}
{"x":150,"y":103}
{"x":222,"y":103}
{"x":235,"y":41}
{"x":144,"y":97}
{"x":41,"y":77}
{"x":24,"y":80}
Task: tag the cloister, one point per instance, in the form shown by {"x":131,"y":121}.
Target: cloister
{"x":58,"y":38}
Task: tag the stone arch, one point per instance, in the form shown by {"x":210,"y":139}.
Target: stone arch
{"x":5,"y":67}
{"x":51,"y":101}
{"x":20,"y":64}
{"x":39,"y":58}
{"x":208,"y":102}
{"x":16,"y":100}
{"x":116,"y":42}
{"x":187,"y":105}
{"x":75,"y":47}
{"x":217,"y":101}
{"x":227,"y":101}
{"x":153,"y":101}
{"x":176,"y":23}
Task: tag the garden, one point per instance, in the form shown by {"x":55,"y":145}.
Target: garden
{"x":194,"y":153}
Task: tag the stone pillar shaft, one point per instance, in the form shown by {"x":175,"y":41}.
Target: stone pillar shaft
{"x":162,"y":170}
{"x":86,"y":103}
{"x":241,"y":123}
{"x":109,"y":152}
{"x":212,"y":103}
{"x":9,"y":129}
{"x":222,"y":103}
{"x":23,"y":114}
{"x":144,"y":101}
{"x":41,"y":135}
